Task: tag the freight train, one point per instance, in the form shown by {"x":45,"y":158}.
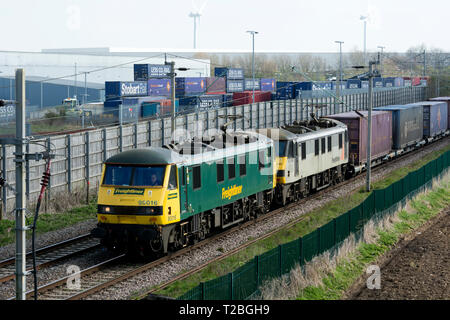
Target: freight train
{"x":155,"y":200}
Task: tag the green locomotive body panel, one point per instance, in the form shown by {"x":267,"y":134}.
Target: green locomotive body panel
{"x":211,"y":184}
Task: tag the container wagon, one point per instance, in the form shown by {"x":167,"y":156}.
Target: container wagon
{"x":357,"y":133}
{"x":446,"y":100}
{"x":435,"y":117}
{"x":407,"y":125}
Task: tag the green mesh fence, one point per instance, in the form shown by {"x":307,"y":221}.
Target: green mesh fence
{"x":244,"y":282}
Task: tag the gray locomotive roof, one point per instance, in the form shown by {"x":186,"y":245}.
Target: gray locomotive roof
{"x":151,"y":155}
{"x":276,"y":133}
{"x":164,"y":156}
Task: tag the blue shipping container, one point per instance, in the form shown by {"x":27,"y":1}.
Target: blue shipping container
{"x":228,"y":100}
{"x":159,"y":87}
{"x":365,"y":84}
{"x":201,"y":103}
{"x":322,"y":85}
{"x":377,"y":82}
{"x":117,"y":89}
{"x":353,"y":84}
{"x":188,"y":86}
{"x":230,"y":73}
{"x":304,"y":86}
{"x":268,"y":85}
{"x":235,"y":85}
{"x":343,"y":85}
{"x":249,"y":84}
{"x":143,"y":72}
{"x":399,"y":82}
{"x":286,"y":90}
{"x":388,"y":82}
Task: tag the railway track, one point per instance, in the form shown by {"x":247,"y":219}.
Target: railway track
{"x":50,"y":254}
{"x":118,"y":269}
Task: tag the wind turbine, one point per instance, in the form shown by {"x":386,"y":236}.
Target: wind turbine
{"x":196,"y":15}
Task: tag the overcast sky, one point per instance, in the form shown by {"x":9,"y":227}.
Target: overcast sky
{"x":283,"y":25}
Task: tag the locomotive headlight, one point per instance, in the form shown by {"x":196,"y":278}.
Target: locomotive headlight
{"x":107,"y":209}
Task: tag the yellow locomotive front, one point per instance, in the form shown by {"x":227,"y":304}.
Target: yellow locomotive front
{"x":137,"y":198}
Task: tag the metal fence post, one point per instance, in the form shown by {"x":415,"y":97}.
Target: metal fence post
{"x":300,"y":250}
{"x":234,"y":122}
{"x":135,"y":135}
{"x":280,"y":259}
{"x":120,"y":138}
{"x":69,"y":162}
{"x":202,"y":286}
{"x":301,"y":109}
{"x":257,"y":270}
{"x":4,"y":208}
{"x":27,"y":174}
{"x":258,"y":116}
{"x":231,"y":286}
{"x":87,"y":152}
{"x":251,"y":116}
{"x":217,"y":119}
{"x":265,"y":114}
{"x":105,"y":150}
{"x":48,"y":190}
{"x":278,"y":113}
{"x":162,"y":131}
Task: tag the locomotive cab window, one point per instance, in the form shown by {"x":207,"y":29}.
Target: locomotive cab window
{"x":340,"y":140}
{"x":291,"y":149}
{"x":242,"y":166}
{"x":316,"y":147}
{"x":303,"y":150}
{"x":280,"y":148}
{"x":231,"y":168}
{"x":323,"y":145}
{"x":329,"y":144}
{"x":121,"y":175}
{"x":173,"y":178}
{"x":220,"y":171}
{"x":197,"y":177}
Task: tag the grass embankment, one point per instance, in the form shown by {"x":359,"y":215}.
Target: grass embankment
{"x":311,"y":221}
{"x":49,"y":222}
{"x":347,"y":271}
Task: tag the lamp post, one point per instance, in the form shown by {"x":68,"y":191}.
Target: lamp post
{"x":381,"y":59}
{"x":253,"y":62}
{"x":364,"y":18}
{"x":172,"y":76}
{"x":339,"y":79}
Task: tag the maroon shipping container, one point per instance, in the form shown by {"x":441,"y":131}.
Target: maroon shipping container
{"x":444,"y":99}
{"x":357,"y":134}
{"x":215,"y":85}
{"x":246,"y":97}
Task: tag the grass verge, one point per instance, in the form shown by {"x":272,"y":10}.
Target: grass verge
{"x":348,"y":270}
{"x":312,"y":221}
{"x":49,"y":222}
